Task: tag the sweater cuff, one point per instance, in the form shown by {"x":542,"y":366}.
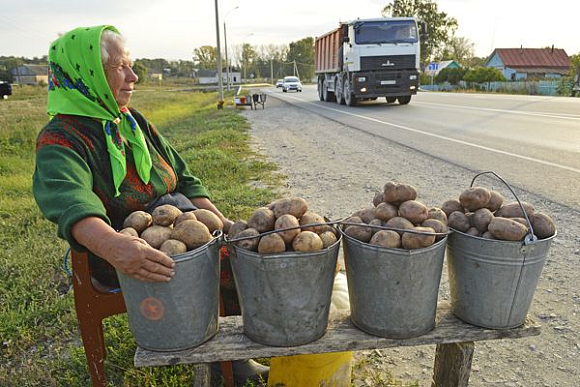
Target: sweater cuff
{"x":74,"y":214}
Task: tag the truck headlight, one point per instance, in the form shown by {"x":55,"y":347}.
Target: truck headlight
{"x":412,"y":77}
{"x":362,"y":79}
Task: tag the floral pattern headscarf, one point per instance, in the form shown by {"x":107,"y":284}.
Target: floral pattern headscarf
{"x":78,"y":85}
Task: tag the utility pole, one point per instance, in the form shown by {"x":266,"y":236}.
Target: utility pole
{"x":226,"y":51}
{"x":220,"y":104}
{"x":272,"y":70}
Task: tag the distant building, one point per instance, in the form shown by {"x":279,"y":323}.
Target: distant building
{"x":155,"y":76}
{"x":29,"y":74}
{"x":445,"y":64}
{"x":522,"y":63}
{"x":205,"y":77}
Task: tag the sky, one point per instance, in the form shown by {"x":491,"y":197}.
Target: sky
{"x":172,"y":29}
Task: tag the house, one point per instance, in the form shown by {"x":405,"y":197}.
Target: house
{"x":29,"y":74}
{"x":205,"y":77}
{"x":523,"y":63}
{"x":445,"y":64}
{"x":155,"y":76}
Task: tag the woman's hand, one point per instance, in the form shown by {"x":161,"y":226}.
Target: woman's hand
{"x":129,"y":255}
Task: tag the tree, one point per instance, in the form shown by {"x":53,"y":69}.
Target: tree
{"x":205,"y":57}
{"x":302,"y":52}
{"x":440,"y":27}
{"x":141,"y":71}
{"x":459,"y":49}
{"x":452,"y":76}
{"x":248,"y":57}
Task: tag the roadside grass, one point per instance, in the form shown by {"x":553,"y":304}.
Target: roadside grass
{"x":40,"y":344}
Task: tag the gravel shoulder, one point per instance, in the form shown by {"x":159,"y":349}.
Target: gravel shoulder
{"x":338,"y":169}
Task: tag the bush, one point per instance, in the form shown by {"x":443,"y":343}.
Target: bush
{"x":484,"y":74}
{"x":453,"y":76}
{"x":565,"y":85}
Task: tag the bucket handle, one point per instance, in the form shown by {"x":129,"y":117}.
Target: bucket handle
{"x":530,"y":237}
{"x":233,"y":240}
{"x":409,"y":230}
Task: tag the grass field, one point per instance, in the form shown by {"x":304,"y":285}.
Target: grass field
{"x":40,"y":341}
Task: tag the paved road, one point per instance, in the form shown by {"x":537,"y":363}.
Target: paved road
{"x":531,"y":141}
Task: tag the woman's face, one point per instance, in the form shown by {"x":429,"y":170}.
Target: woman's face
{"x":120,"y":74}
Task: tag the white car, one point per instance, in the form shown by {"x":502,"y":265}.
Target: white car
{"x":279,"y":83}
{"x":291,"y":83}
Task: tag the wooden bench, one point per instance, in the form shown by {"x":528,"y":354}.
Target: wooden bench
{"x":454,"y":340}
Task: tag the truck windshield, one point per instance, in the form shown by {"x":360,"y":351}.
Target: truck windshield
{"x":376,"y":32}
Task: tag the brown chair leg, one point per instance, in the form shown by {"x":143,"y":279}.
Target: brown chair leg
{"x":92,"y":307}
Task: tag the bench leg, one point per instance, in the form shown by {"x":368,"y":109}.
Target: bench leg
{"x":452,"y":364}
{"x":201,"y":375}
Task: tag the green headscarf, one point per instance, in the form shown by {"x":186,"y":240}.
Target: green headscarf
{"x":77,"y":85}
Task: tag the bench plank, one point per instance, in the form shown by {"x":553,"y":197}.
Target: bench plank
{"x":230,"y":343}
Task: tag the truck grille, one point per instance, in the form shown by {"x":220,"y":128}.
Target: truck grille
{"x":387,"y":62}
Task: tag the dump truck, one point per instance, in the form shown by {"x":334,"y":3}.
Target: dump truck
{"x":365,"y":59}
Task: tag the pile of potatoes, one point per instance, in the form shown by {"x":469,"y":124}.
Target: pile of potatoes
{"x":172,"y":231}
{"x":282,"y":214}
{"x":396,"y":207}
{"x":481,"y":212}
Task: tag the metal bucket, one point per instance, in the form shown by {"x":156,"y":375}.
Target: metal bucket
{"x":493,"y":282}
{"x":393,"y":292}
{"x":181,"y":313}
{"x":285,"y":298}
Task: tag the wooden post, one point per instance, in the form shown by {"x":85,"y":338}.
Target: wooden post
{"x":452,"y":364}
{"x":201,"y":375}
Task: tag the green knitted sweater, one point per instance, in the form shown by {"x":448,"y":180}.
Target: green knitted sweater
{"x":73,"y":178}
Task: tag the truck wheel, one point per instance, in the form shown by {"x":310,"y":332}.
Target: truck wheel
{"x":349,"y":98}
{"x":391,"y":99}
{"x":404,"y":100}
{"x":328,"y":95}
{"x":321,"y":89}
{"x":338,"y":93}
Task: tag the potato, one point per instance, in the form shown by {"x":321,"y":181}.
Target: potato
{"x":211,"y":220}
{"x":360,"y":233}
{"x":411,"y":241}
{"x":293,"y":206}
{"x":173,"y":247}
{"x":513,"y":210}
{"x":328,"y":239}
{"x":378,"y":199}
{"x":495,"y":201}
{"x":188,"y":215}
{"x":193,"y":233}
{"x":386,"y":238}
{"x":262,"y":219}
{"x":437,"y":214}
{"x":507,"y":229}
{"x":436,"y":225}
{"x":236,"y":228}
{"x":286,"y":221}
{"x":543,"y":225}
{"x":522,"y":221}
{"x":487,"y":235}
{"x":129,"y":231}
{"x":386,"y":211}
{"x":473,"y":231}
{"x":366,"y":214}
{"x":451,"y":206}
{"x":156,"y":235}
{"x":458,"y":221}
{"x":399,"y":223}
{"x":328,"y":228}
{"x":138,"y":220}
{"x":414,"y":211}
{"x":271,"y":244}
{"x":474,"y":198}
{"x":251,"y":243}
{"x":307,"y":241}
{"x":375,"y":222}
{"x":398,"y":193}
{"x":165,"y":215}
{"x":481,"y":219}
{"x":312,"y":217}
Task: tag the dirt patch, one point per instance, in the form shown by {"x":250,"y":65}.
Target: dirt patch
{"x":338,"y":169}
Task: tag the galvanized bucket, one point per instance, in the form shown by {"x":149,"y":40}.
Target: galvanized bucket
{"x":285,"y":298}
{"x":181,"y":313}
{"x":493,"y":282}
{"x":393,"y":292}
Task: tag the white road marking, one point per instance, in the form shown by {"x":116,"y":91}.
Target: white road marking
{"x":560,"y":166}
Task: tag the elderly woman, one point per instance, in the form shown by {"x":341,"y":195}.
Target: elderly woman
{"x":97,"y":160}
